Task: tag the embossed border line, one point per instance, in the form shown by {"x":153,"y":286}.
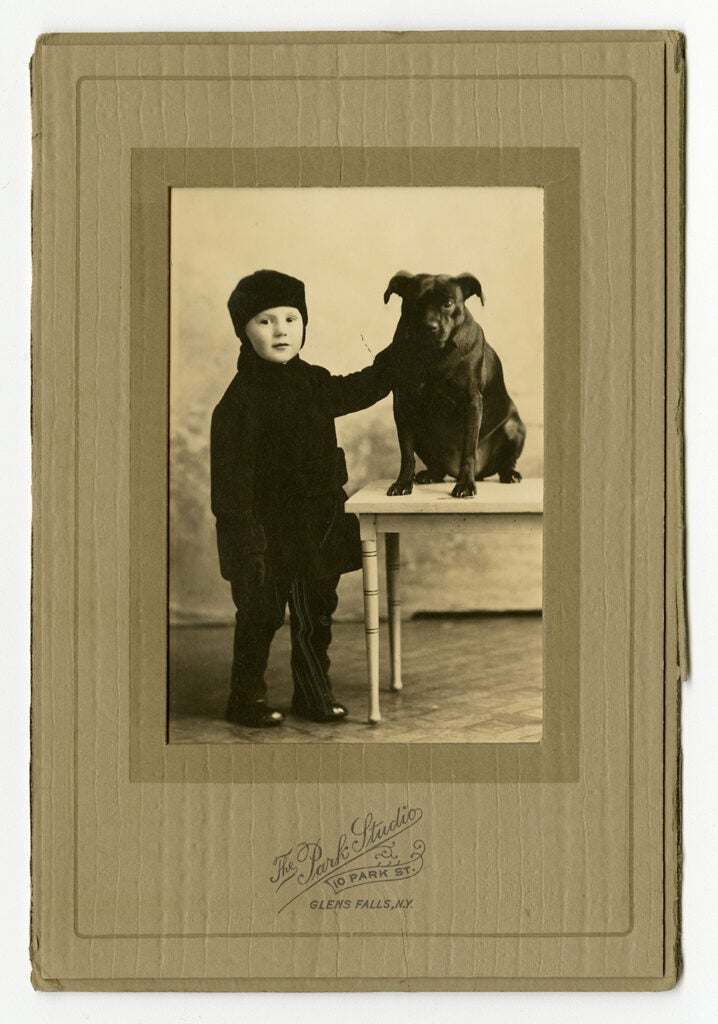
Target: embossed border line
{"x":362,"y":78}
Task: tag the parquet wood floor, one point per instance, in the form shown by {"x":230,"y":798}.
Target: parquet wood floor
{"x":476,"y":679}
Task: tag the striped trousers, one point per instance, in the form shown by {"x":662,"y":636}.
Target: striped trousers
{"x":260,"y":613}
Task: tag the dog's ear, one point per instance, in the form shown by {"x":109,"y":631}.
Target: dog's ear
{"x":398,"y":284}
{"x":470,"y":286}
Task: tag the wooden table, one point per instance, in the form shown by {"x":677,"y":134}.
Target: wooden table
{"x":497,"y":508}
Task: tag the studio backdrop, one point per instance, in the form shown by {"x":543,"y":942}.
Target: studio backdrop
{"x":346,"y":244}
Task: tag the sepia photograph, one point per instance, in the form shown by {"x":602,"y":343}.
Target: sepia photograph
{"x":356,"y":460}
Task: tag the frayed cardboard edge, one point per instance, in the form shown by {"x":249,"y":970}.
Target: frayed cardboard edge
{"x":675,"y":492}
{"x":678,"y":41}
{"x":36,"y":978}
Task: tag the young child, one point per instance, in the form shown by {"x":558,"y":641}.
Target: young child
{"x":277,"y":495}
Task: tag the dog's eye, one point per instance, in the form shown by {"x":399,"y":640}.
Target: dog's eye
{"x":448,"y":304}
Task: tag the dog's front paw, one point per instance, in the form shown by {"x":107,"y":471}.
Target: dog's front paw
{"x":400,"y":487}
{"x":512,"y":477}
{"x":464,"y":489}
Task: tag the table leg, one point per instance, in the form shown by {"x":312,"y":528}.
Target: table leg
{"x":371,"y":612}
{"x":393,"y":565}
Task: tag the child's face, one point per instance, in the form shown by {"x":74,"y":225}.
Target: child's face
{"x":276,"y":334}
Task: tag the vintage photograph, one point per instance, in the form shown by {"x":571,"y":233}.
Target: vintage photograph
{"x":356,"y":465}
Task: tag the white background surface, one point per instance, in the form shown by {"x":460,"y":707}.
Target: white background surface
{"x":696,"y":998}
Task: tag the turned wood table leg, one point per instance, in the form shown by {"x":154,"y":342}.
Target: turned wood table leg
{"x":393,"y":565}
{"x":371,"y":611}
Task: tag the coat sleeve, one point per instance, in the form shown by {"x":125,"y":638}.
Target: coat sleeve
{"x":365,"y":387}
{"x":232,"y":456}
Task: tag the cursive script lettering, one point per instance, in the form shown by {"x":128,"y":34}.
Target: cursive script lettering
{"x":369,"y":831}
{"x":317,"y":864}
{"x":284,"y":868}
{"x":367,"y":853}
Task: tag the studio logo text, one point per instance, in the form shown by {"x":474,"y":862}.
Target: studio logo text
{"x":372,"y":850}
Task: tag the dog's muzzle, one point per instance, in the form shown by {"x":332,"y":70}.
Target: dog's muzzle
{"x":435,"y":335}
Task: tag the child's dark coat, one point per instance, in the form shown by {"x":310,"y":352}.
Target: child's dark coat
{"x":277,"y":473}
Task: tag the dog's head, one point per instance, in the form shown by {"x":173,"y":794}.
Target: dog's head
{"x":432,"y":307}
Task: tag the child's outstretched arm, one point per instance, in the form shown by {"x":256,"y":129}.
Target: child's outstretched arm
{"x":365,"y":387}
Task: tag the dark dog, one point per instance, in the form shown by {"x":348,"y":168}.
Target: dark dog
{"x":450,"y":403}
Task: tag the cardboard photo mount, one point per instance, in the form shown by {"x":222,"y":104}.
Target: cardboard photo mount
{"x":409,"y":866}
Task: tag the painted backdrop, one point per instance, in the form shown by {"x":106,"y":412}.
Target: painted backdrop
{"x":345,"y":244}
